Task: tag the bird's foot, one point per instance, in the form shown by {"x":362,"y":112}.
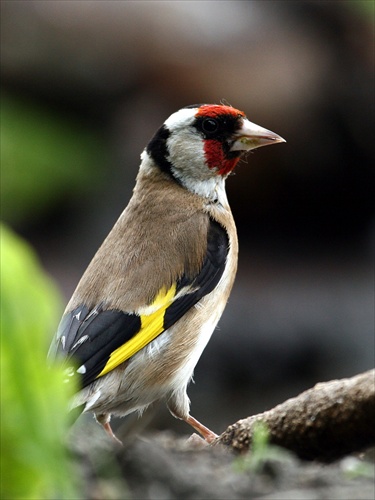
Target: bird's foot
{"x":103,"y":420}
{"x":107,"y":427}
{"x":204,"y":431}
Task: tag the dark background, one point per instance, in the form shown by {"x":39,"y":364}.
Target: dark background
{"x":86,"y":83}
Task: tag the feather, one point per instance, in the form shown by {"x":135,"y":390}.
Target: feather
{"x":101,"y":339}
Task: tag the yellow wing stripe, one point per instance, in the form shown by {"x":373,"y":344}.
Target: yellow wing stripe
{"x":151,"y":327}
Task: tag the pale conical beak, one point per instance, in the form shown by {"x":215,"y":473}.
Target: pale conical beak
{"x":252,"y":136}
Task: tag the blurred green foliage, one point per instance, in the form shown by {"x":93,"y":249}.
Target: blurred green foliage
{"x":45,"y":157}
{"x":35,"y":463}
{"x":262,"y":451}
{"x":364,"y":7}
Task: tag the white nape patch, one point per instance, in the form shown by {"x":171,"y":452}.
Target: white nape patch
{"x":180,"y":119}
{"x":80,"y":341}
{"x":82,"y":369}
{"x":144,"y":155}
{"x":92,"y":400}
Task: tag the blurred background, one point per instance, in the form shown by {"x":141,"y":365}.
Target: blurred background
{"x":86,"y":83}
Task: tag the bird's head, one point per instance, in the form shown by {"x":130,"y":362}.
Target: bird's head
{"x":201,"y":144}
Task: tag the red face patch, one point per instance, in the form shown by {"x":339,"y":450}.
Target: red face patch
{"x":214,"y":110}
{"x":215,"y":157}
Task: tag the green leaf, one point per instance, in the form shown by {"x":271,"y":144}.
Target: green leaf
{"x":35,"y":419}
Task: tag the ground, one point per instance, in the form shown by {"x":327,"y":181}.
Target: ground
{"x":163,"y":466}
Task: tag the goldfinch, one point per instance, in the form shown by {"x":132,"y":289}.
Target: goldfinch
{"x":151,"y":297}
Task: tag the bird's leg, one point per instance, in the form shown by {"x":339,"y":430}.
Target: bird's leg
{"x":107,"y":427}
{"x":178,"y":411}
{"x":103,"y":420}
{"x":208,"y":435}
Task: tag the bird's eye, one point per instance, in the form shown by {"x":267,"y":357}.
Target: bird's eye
{"x":210,"y":125}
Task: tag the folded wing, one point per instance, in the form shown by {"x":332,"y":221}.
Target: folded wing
{"x":99,"y":340}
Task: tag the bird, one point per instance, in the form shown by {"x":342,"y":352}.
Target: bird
{"x":150,"y":299}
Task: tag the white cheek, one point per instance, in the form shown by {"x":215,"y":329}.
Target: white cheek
{"x":186,"y":154}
